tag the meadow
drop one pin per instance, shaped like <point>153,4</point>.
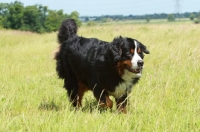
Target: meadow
<point>167,98</point>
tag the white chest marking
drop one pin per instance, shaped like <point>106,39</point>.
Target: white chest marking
<point>126,86</point>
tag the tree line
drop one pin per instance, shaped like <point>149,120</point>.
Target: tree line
<point>170,17</point>
<point>35,18</point>
<point>152,16</point>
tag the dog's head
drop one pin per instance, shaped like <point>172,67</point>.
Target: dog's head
<point>130,55</point>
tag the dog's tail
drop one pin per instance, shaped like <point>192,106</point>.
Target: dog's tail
<point>67,30</point>
<point>59,61</point>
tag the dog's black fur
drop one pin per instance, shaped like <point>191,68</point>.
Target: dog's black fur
<point>93,64</point>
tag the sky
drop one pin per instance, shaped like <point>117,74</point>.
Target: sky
<point>116,7</point>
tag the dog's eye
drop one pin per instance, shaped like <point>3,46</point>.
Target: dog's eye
<point>139,50</point>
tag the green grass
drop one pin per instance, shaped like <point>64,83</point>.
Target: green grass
<point>166,99</point>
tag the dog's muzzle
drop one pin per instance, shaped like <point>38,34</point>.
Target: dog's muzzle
<point>138,70</point>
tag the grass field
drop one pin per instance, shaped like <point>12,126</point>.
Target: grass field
<point>167,99</point>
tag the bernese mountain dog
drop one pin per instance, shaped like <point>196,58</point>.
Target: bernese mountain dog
<point>105,68</point>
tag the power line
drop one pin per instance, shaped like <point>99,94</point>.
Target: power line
<point>177,8</point>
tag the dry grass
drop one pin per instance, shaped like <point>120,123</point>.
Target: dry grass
<point>166,99</point>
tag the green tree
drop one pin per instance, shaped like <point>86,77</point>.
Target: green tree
<point>75,16</point>
<point>4,9</point>
<point>170,18</point>
<point>31,19</point>
<point>192,16</point>
<point>147,19</point>
<point>1,22</point>
<point>53,20</point>
<point>43,11</point>
<point>14,19</point>
<point>36,18</point>
<point>3,12</point>
<point>103,20</point>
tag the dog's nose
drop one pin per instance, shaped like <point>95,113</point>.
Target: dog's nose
<point>140,62</point>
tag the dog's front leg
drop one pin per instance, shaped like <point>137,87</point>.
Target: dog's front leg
<point>121,103</point>
<point>102,97</point>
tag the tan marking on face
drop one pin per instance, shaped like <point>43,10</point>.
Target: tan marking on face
<point>128,62</point>
<point>139,50</point>
<point>132,51</point>
<point>121,66</point>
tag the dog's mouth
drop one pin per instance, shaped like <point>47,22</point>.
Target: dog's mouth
<point>133,70</point>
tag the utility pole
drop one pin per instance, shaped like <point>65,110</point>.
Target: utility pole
<point>177,9</point>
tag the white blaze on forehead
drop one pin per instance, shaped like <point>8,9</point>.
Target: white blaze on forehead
<point>136,57</point>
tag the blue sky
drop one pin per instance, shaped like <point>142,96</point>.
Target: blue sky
<point>116,7</point>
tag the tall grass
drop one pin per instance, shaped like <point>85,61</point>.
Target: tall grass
<point>166,99</point>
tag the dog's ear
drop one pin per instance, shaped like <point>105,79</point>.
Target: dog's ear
<point>145,50</point>
<point>117,45</point>
<point>118,42</point>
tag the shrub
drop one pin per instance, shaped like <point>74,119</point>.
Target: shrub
<point>197,20</point>
<point>170,18</point>
<point>192,16</point>
<point>91,23</point>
